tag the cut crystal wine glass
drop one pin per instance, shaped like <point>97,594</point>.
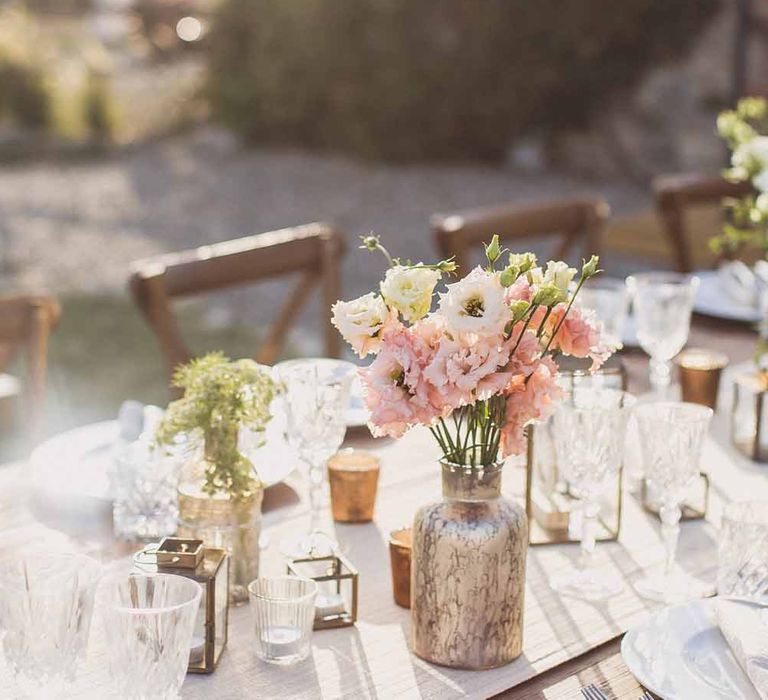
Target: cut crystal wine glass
<point>671,436</point>
<point>148,624</point>
<point>609,299</point>
<point>589,429</point>
<point>46,603</point>
<point>316,399</point>
<point>663,302</point>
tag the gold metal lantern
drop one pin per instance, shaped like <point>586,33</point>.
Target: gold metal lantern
<point>210,568</point>
<point>337,581</point>
<point>548,502</point>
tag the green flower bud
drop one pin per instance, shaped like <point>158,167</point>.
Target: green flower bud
<point>549,295</point>
<point>493,250</point>
<point>519,309</point>
<point>590,269</point>
<point>522,261</point>
<point>509,276</point>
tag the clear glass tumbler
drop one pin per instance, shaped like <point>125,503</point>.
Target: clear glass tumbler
<point>283,612</point>
<point>609,299</point>
<point>663,302</point>
<point>148,624</point>
<point>316,399</point>
<point>671,436</point>
<point>46,603</point>
<point>589,431</point>
<point>743,552</point>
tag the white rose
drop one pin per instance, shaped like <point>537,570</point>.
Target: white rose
<point>476,304</point>
<point>361,322</point>
<point>560,275</point>
<point>409,290</point>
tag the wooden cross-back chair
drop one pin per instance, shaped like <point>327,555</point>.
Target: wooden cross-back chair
<point>677,195</point>
<point>313,250</point>
<point>26,322</point>
<point>573,221</point>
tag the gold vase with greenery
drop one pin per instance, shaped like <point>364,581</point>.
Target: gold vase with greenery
<point>219,491</point>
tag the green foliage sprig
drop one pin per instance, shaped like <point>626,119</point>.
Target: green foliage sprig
<point>220,395</point>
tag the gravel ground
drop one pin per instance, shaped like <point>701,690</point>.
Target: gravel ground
<point>76,226</point>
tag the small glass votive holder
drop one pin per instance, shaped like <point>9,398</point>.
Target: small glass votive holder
<point>700,371</point>
<point>400,542</point>
<point>743,550</point>
<point>354,477</point>
<point>282,611</point>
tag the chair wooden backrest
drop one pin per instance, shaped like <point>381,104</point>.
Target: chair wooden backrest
<point>573,221</point>
<point>677,194</point>
<point>313,250</point>
<point>26,322</point>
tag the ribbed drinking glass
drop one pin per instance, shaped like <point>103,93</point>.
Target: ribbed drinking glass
<point>283,612</point>
<point>46,603</point>
<point>671,436</point>
<point>589,430</point>
<point>148,624</point>
<point>663,302</point>
<point>316,400</point>
<point>743,552</point>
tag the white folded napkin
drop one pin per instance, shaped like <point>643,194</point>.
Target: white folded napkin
<point>745,627</point>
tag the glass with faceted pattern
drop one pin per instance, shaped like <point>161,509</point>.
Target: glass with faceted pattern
<point>671,436</point>
<point>148,624</point>
<point>743,552</point>
<point>46,603</point>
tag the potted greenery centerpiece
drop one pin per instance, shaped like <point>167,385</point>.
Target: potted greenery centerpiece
<point>219,491</point>
<point>476,372</point>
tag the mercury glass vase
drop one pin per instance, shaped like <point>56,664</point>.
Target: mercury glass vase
<point>468,572</point>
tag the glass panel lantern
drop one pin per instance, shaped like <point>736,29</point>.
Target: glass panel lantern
<point>548,502</point>
<point>208,566</point>
<point>749,432</point>
<point>336,601</point>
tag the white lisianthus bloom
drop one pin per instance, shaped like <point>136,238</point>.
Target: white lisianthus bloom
<point>476,304</point>
<point>760,181</point>
<point>409,290</point>
<point>535,276</point>
<point>560,275</point>
<point>362,321</point>
<point>754,150</point>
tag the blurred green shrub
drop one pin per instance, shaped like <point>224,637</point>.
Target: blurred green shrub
<point>409,79</point>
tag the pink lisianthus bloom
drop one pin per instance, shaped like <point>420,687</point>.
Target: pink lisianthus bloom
<point>580,335</point>
<point>396,391</point>
<point>519,291</point>
<point>529,399</point>
<point>465,369</point>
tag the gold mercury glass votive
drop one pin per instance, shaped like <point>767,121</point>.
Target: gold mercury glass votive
<point>354,477</point>
<point>400,559</point>
<point>700,372</point>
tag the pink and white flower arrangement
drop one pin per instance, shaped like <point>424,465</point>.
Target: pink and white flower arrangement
<point>482,366</point>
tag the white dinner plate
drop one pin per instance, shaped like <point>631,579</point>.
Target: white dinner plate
<point>680,654</point>
<point>713,300</point>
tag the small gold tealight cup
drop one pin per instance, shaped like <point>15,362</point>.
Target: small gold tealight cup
<point>400,559</point>
<point>700,372</point>
<point>354,477</point>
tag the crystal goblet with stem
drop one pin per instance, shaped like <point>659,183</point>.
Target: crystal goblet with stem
<point>609,299</point>
<point>46,604</point>
<point>671,436</point>
<point>316,400</point>
<point>663,302</point>
<point>590,428</point>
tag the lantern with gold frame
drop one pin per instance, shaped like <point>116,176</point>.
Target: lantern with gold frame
<point>337,581</point>
<point>208,566</point>
<point>548,502</point>
<point>749,432</point>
